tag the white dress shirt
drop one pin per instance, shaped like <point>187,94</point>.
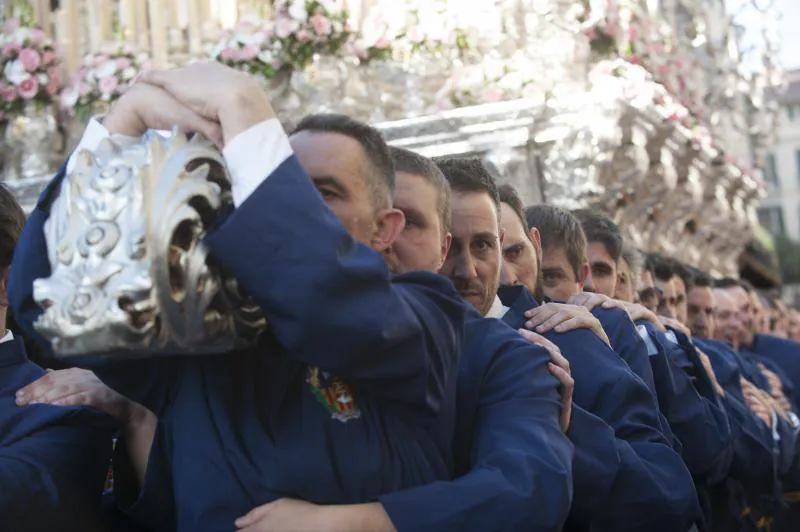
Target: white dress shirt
<point>252,155</point>
<point>498,310</point>
<point>7,337</point>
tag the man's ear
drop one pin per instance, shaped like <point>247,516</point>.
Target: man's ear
<point>536,237</point>
<point>584,273</point>
<point>389,225</point>
<point>446,243</point>
<point>4,273</point>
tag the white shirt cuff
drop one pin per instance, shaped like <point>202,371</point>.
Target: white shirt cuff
<point>253,155</point>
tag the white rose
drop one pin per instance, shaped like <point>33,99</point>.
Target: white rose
<point>266,57</point>
<point>109,68</point>
<point>70,96</point>
<point>129,73</point>
<point>42,79</point>
<point>297,10</point>
<point>15,72</point>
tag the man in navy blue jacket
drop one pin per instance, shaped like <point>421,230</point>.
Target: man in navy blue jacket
<point>53,461</point>
<point>257,423</point>
<point>749,493</point>
<point>625,471</point>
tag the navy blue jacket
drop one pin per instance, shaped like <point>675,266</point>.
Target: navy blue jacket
<point>785,354</point>
<point>692,407</point>
<point>53,460</point>
<point>627,476</point>
<point>513,463</point>
<point>240,430</point>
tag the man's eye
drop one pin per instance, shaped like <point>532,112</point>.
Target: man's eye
<point>326,193</point>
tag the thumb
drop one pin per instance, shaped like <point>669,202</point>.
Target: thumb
<point>253,516</point>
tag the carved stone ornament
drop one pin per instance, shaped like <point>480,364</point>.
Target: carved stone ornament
<point>130,274</point>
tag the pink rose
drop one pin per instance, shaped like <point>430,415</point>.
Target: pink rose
<point>123,63</point>
<point>633,33</point>
<point>54,75</point>
<point>303,36</point>
<point>382,43</point>
<point>590,33</point>
<point>228,54</point>
<point>49,57</point>
<point>11,49</point>
<point>36,36</point>
<point>8,93</point>
<point>84,89</point>
<point>635,60</point>
<point>321,25</point>
<point>248,53</point>
<point>30,59</point>
<point>284,28</point>
<point>108,84</point>
<point>28,89</point>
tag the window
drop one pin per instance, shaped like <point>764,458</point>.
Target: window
<point>771,171</point>
<point>772,219</point>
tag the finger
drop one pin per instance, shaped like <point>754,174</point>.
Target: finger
<point>577,322</point>
<point>551,322</point>
<point>540,314</point>
<point>536,339</point>
<point>253,516</point>
<point>75,399</point>
<point>563,377</point>
<point>56,392</point>
<point>163,79</point>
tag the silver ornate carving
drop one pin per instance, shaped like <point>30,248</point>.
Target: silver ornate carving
<point>129,268</point>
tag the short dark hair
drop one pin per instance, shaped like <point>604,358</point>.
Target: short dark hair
<point>413,163</point>
<point>727,282</point>
<point>661,267</point>
<point>509,195</point>
<point>12,220</point>
<point>684,272</point>
<point>381,179</point>
<point>599,228</point>
<point>468,174</point>
<point>700,279</point>
<point>559,230</point>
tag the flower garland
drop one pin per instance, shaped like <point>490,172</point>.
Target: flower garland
<point>250,47</point>
<point>304,28</point>
<point>30,69</point>
<point>103,77</point>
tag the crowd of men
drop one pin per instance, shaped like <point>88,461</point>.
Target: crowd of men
<point>438,357</point>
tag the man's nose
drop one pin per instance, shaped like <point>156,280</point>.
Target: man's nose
<point>465,267</point>
<point>507,277</point>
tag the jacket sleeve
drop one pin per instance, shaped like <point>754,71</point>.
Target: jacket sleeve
<point>699,421</point>
<point>652,488</point>
<point>330,301</point>
<point>53,478</point>
<point>754,461</point>
<point>626,342</point>
<point>520,471</point>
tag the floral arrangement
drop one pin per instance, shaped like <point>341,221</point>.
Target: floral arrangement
<point>374,43</point>
<point>303,28</point>
<point>30,69</point>
<point>250,47</point>
<point>102,77</point>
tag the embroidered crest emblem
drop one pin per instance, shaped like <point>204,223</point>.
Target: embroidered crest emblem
<point>334,395</point>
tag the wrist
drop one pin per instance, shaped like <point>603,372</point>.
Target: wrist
<point>246,106</point>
